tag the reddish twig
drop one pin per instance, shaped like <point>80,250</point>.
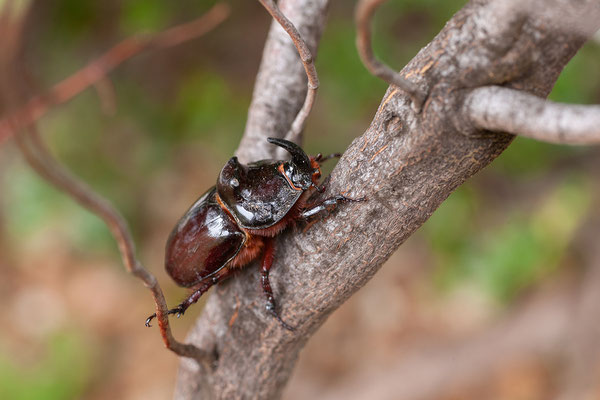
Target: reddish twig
<point>41,160</point>
<point>309,66</point>
<point>365,9</point>
<point>96,70</point>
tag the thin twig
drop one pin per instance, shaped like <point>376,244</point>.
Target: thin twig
<point>41,160</point>
<point>365,9</point>
<point>309,66</point>
<point>96,70</point>
<point>502,109</point>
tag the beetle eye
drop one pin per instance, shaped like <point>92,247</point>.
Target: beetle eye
<point>234,182</point>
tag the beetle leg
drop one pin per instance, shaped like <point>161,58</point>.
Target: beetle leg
<point>267,263</point>
<point>325,207</point>
<point>320,158</point>
<point>195,296</point>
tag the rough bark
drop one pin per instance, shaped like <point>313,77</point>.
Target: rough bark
<point>406,164</point>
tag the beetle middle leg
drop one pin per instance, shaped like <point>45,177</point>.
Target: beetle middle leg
<point>267,263</point>
<point>196,294</point>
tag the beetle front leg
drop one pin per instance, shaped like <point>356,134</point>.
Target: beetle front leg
<point>325,207</point>
<point>267,263</point>
<point>320,158</point>
<point>195,296</point>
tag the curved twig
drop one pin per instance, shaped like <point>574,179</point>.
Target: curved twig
<point>41,160</point>
<point>502,109</point>
<point>96,70</point>
<point>365,9</point>
<point>309,66</point>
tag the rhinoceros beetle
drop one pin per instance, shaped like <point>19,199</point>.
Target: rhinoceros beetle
<point>236,221</point>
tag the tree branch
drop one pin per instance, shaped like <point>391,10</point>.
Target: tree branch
<point>40,159</point>
<point>13,73</point>
<point>502,109</point>
<point>406,164</point>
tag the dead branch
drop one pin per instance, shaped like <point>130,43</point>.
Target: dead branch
<point>280,90</point>
<point>295,132</point>
<point>97,70</point>
<point>406,164</point>
<point>501,109</point>
<point>40,159</point>
<point>12,70</point>
<point>365,9</point>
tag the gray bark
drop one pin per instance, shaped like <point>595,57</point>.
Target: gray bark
<point>506,110</point>
<point>405,164</point>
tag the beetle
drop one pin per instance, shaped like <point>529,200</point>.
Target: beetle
<point>236,221</point>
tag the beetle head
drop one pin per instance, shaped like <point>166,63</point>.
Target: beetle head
<point>299,169</point>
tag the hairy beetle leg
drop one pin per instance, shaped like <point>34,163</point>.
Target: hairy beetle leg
<point>195,296</point>
<point>266,285</point>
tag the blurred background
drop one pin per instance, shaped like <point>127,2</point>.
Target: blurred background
<point>493,298</point>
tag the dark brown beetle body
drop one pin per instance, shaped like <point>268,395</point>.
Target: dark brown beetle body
<point>221,240</point>
<point>236,220</point>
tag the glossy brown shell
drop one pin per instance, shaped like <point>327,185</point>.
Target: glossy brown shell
<point>258,195</point>
<point>203,242</point>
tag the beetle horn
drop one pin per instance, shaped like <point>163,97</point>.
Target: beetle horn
<point>299,157</point>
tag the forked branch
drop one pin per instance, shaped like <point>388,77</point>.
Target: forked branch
<point>502,109</point>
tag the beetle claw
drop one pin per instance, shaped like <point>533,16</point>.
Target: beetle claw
<point>357,200</point>
<point>149,319</point>
<point>281,321</point>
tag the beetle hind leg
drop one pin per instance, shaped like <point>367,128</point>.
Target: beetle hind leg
<point>267,263</point>
<point>195,296</point>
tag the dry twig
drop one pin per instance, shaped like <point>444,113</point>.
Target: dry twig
<point>97,70</point>
<point>365,9</point>
<point>309,66</point>
<point>42,161</point>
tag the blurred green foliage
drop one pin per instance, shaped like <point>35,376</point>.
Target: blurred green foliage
<point>62,373</point>
<point>506,257</point>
